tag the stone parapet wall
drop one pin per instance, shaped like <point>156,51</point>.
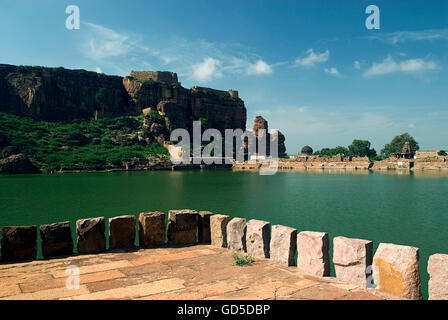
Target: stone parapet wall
<point>393,268</point>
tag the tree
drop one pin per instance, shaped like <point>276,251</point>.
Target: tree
<point>442,153</point>
<point>361,148</point>
<point>327,152</point>
<point>397,143</point>
<point>103,97</point>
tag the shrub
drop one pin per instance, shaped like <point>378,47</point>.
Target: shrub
<point>244,260</point>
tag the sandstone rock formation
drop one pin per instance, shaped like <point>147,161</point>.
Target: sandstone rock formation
<point>236,234</point>
<point>312,253</point>
<point>438,272</point>
<point>182,227</point>
<point>152,229</point>
<point>352,260</point>
<point>395,270</point>
<point>17,163</point>
<point>204,227</point>
<point>283,245</point>
<point>257,238</point>
<point>218,230</point>
<point>277,137</point>
<point>56,239</point>
<point>122,232</point>
<point>91,237</point>
<point>19,243</point>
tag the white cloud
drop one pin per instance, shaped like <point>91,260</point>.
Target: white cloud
<point>311,58</point>
<point>389,65</point>
<point>357,64</point>
<point>405,36</point>
<point>98,70</point>
<point>206,70</point>
<point>103,42</point>
<point>263,112</point>
<point>260,67</point>
<point>333,71</point>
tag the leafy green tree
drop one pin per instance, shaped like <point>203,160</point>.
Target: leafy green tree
<point>327,152</point>
<point>442,153</point>
<point>361,148</point>
<point>103,97</point>
<point>397,143</point>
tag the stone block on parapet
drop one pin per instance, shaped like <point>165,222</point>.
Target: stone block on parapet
<point>56,239</point>
<point>19,243</point>
<point>236,234</point>
<point>182,227</point>
<point>395,271</point>
<point>218,230</point>
<point>257,238</point>
<point>283,245</point>
<point>352,259</point>
<point>438,273</point>
<point>91,236</point>
<point>312,253</point>
<point>204,227</point>
<point>152,229</point>
<point>122,232</point>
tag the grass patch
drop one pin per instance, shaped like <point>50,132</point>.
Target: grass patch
<point>242,260</point>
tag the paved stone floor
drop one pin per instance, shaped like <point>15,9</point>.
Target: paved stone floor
<point>196,272</point>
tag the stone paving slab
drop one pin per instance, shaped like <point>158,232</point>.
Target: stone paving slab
<point>192,272</point>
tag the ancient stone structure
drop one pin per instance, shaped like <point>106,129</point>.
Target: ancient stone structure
<point>152,229</point>
<point>283,245</point>
<point>91,237</point>
<point>406,152</point>
<point>312,253</point>
<point>352,260</point>
<point>236,234</point>
<point>218,230</point>
<point>204,227</point>
<point>53,94</point>
<point>438,272</point>
<point>19,243</point>
<point>395,270</point>
<point>56,239</point>
<point>122,232</point>
<point>182,227</point>
<point>421,154</point>
<point>257,238</point>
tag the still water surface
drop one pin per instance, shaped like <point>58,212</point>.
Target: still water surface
<point>401,209</point>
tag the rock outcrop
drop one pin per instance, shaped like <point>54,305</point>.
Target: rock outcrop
<point>58,94</point>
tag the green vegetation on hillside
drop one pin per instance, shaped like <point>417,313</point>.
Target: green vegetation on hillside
<point>80,144</point>
<point>397,143</point>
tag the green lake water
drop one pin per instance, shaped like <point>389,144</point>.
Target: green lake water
<point>406,209</point>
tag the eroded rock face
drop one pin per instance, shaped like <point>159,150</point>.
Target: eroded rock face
<point>395,270</point>
<point>236,234</point>
<point>182,227</point>
<point>152,229</point>
<point>312,253</point>
<point>204,235</point>
<point>218,230</point>
<point>19,243</point>
<point>17,163</point>
<point>352,260</point>
<point>91,237</point>
<point>283,245</point>
<point>258,238</point>
<point>438,272</point>
<point>56,239</point>
<point>122,232</point>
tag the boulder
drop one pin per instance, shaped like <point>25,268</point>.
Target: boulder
<point>204,227</point>
<point>312,253</point>
<point>257,238</point>
<point>218,230</point>
<point>283,245</point>
<point>438,272</point>
<point>182,227</point>
<point>236,234</point>
<point>91,237</point>
<point>17,163</point>
<point>122,232</point>
<point>152,229</point>
<point>8,151</point>
<point>352,259</point>
<point>395,270</point>
<point>56,239</point>
<point>19,243</point>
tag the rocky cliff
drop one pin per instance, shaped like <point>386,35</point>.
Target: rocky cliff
<point>58,94</point>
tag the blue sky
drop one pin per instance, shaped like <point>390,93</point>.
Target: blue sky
<point>311,68</point>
